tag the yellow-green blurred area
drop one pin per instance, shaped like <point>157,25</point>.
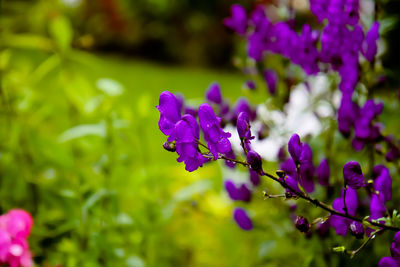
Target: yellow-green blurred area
<point>80,147</point>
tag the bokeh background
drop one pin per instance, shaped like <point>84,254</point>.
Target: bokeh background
<point>81,151</point>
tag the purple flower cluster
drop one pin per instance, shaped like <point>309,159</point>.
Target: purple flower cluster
<point>185,132</point>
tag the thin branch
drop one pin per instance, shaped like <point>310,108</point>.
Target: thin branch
<point>372,236</point>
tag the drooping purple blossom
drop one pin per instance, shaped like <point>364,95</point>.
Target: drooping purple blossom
<point>395,248</point>
<point>241,192</point>
<point>271,78</point>
<point>307,169</point>
<point>243,126</point>
<point>186,134</point>
<point>238,19</point>
<point>169,108</point>
<point>382,183</point>
<point>242,219</point>
<point>210,124</point>
<point>376,207</point>
<point>387,262</point>
<point>339,223</point>
<point>353,176</point>
<point>254,177</point>
<point>242,105</point>
<point>363,126</point>
<point>295,148</point>
<point>369,46</point>
<point>213,93</point>
<point>347,114</point>
<point>323,173</point>
<point>254,160</point>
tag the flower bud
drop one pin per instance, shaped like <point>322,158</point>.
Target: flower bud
<point>353,176</point>
<point>242,219</point>
<point>357,229</point>
<point>254,159</point>
<point>302,224</point>
<point>295,148</point>
<point>169,146</point>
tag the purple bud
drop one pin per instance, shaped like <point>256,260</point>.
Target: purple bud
<point>323,228</point>
<point>302,224</point>
<point>323,173</point>
<point>357,229</point>
<point>241,193</point>
<point>169,112</point>
<point>376,207</point>
<point>353,176</point>
<point>242,219</point>
<point>295,148</point>
<point>271,79</point>
<point>254,177</point>
<point>250,84</point>
<point>213,93</point>
<point>255,161</point>
<point>369,47</point>
<point>243,126</point>
<point>387,262</point>
<point>169,146</point>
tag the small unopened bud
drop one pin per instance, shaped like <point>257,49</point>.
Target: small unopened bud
<point>340,249</point>
<point>254,160</point>
<point>357,229</point>
<point>280,173</point>
<point>169,146</point>
<point>302,224</point>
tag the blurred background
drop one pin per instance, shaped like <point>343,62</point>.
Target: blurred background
<point>80,147</point>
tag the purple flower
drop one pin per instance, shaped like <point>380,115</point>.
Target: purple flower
<point>237,193</point>
<point>307,169</point>
<point>213,93</point>
<point>369,46</point>
<point>353,176</point>
<point>238,19</point>
<point>254,177</point>
<point>357,229</point>
<point>382,183</point>
<point>249,84</point>
<point>387,262</point>
<point>395,248</point>
<point>347,114</point>
<point>242,219</point>
<point>295,148</point>
<point>242,105</point>
<point>363,127</point>
<point>243,128</point>
<point>254,160</point>
<point>323,173</point>
<point>302,224</point>
<point>186,134</point>
<point>340,223</point>
<point>376,207</point>
<point>271,79</point>
<point>292,183</point>
<point>210,124</point>
<point>169,108</point>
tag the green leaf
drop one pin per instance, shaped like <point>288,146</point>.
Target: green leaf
<point>61,31</point>
<point>84,130</point>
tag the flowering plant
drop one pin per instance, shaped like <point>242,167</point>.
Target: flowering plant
<point>339,48</point>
